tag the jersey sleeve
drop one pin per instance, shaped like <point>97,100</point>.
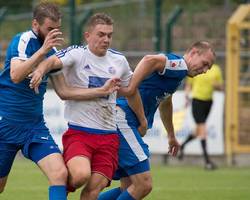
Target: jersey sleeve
<point>21,48</point>
<point>218,75</point>
<point>68,56</point>
<point>127,73</point>
<point>174,68</point>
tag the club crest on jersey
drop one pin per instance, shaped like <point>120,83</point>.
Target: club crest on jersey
<point>111,70</point>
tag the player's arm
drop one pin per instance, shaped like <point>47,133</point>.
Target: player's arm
<point>20,69</point>
<point>52,63</point>
<point>135,103</point>
<point>148,65</point>
<point>66,92</point>
<point>166,114</point>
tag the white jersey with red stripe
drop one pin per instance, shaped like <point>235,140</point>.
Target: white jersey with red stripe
<point>84,69</point>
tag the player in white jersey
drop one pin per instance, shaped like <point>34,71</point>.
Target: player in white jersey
<point>91,142</point>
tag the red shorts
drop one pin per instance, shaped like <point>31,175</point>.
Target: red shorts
<point>101,149</point>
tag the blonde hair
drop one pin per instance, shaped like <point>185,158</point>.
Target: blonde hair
<point>202,46</point>
<point>99,18</point>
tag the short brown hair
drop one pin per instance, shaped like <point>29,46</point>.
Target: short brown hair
<point>46,10</point>
<point>202,46</point>
<point>99,18</point>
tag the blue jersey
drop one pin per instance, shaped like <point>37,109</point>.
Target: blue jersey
<point>156,87</point>
<point>17,101</point>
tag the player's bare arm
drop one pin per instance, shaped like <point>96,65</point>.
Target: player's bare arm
<point>135,103</point>
<point>166,114</point>
<point>20,69</point>
<point>66,92</point>
<point>44,67</point>
<point>148,65</point>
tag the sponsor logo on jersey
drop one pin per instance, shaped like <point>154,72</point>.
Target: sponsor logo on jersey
<point>87,67</point>
<point>172,64</point>
<point>175,64</point>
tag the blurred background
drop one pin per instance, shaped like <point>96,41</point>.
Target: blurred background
<point>152,26</point>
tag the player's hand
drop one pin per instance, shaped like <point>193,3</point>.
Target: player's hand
<point>36,79</point>
<point>111,85</point>
<point>52,39</point>
<point>174,146</point>
<point>143,127</point>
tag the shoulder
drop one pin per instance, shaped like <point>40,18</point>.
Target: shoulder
<point>116,54</point>
<point>73,49</point>
<point>24,38</point>
<point>158,60</point>
<point>175,62</point>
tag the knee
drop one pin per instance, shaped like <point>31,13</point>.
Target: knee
<point>59,175</point>
<point>144,187</point>
<point>147,188</point>
<point>78,178</point>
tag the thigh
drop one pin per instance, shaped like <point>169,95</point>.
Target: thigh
<point>79,167</point>
<point>105,158</point>
<point>77,144</point>
<point>7,156</point>
<point>132,148</point>
<point>54,168</point>
<point>39,143</point>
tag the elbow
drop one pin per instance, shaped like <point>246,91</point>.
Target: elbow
<point>62,94</point>
<point>130,91</point>
<point>14,78</point>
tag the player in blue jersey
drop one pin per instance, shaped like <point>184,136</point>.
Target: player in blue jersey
<point>158,77</point>
<point>22,125</point>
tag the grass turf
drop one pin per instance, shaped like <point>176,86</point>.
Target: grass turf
<point>26,182</point>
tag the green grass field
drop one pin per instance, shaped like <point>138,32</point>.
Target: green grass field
<point>26,182</point>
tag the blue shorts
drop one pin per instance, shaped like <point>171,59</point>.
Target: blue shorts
<point>132,149</point>
<point>141,167</point>
<point>33,139</point>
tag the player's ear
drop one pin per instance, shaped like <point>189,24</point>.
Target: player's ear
<point>35,23</point>
<point>193,51</point>
<point>86,35</point>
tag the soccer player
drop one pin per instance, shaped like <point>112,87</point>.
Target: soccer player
<point>202,88</point>
<point>158,77</point>
<point>91,142</point>
<point>22,125</point>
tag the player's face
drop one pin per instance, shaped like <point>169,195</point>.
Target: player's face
<point>99,38</point>
<point>43,29</point>
<point>199,63</point>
